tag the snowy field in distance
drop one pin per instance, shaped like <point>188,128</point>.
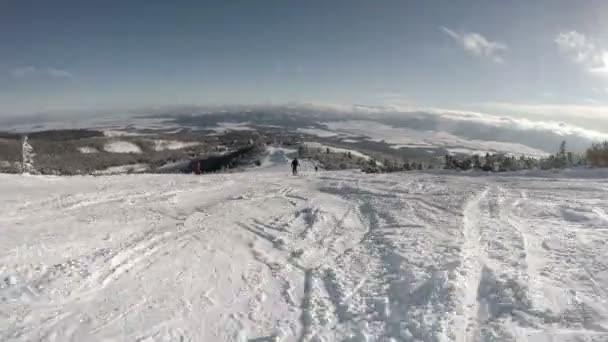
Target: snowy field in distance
<point>123,169</point>
<point>113,133</point>
<point>406,137</point>
<point>87,150</point>
<point>162,145</point>
<point>121,147</point>
<point>331,256</point>
<point>334,149</point>
<point>223,127</point>
<point>317,132</point>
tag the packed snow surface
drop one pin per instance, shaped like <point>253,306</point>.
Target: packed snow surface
<point>263,256</point>
<point>121,147</point>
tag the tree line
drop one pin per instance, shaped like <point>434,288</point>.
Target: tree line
<point>595,156</point>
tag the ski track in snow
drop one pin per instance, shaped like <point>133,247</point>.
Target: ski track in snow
<point>328,256</point>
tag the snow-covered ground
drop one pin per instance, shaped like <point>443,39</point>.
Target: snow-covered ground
<point>87,150</point>
<point>317,132</point>
<point>278,159</point>
<point>113,133</point>
<point>121,147</point>
<point>140,167</point>
<point>278,156</point>
<point>223,127</point>
<point>412,138</point>
<point>468,151</point>
<point>328,256</point>
<point>322,133</point>
<point>162,145</point>
<point>334,149</point>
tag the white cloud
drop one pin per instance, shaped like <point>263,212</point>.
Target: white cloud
<point>25,72</point>
<point>478,45</point>
<point>591,100</point>
<point>393,99</point>
<point>484,115</point>
<point>583,51</point>
<point>590,110</point>
<point>59,73</point>
<point>548,94</point>
<point>558,127</point>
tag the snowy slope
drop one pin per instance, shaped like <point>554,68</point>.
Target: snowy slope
<point>337,150</point>
<point>321,257</point>
<point>278,159</point>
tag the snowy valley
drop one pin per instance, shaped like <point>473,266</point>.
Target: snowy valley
<point>328,256</point>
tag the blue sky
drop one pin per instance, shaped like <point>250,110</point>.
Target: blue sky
<point>535,59</point>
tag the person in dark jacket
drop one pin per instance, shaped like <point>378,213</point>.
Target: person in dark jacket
<point>294,166</point>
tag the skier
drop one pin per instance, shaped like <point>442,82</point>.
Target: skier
<point>197,167</point>
<point>316,168</point>
<point>294,166</point>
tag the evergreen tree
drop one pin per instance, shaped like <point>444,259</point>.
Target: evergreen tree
<point>488,163</point>
<point>302,151</point>
<point>561,159</point>
<point>476,162</point>
<point>27,156</point>
<point>449,162</point>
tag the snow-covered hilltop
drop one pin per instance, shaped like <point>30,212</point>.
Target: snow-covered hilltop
<point>344,256</point>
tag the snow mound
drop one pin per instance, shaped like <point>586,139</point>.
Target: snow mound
<point>162,145</point>
<point>87,150</point>
<point>121,147</point>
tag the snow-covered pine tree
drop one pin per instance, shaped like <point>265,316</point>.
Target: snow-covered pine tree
<point>27,157</point>
<point>561,159</point>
